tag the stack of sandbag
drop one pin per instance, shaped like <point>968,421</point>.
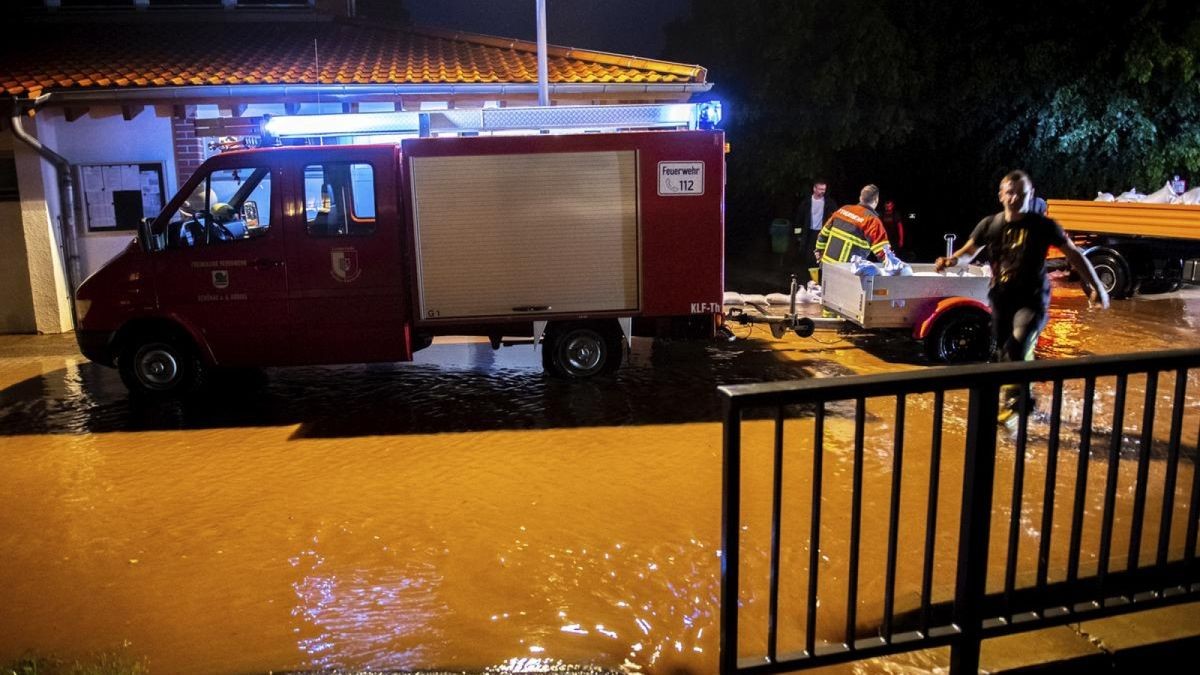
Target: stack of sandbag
<point>1164,195</point>
<point>892,266</point>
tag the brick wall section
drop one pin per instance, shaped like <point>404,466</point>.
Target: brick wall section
<point>189,150</point>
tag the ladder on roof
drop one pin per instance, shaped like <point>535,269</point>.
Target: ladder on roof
<point>477,121</point>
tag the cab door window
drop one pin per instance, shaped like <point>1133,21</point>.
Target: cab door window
<point>339,199</point>
<point>229,205</point>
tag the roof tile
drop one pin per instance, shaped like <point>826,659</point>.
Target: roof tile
<point>78,57</point>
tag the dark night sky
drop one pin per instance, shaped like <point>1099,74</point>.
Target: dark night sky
<point>632,27</point>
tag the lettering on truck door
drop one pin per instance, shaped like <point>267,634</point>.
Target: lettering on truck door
<point>222,271</point>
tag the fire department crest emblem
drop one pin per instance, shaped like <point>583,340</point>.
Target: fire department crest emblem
<point>345,264</point>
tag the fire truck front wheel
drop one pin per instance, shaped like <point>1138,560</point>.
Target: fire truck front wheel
<point>581,350</point>
<point>160,365</point>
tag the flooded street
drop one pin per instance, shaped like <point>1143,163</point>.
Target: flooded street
<point>458,512</point>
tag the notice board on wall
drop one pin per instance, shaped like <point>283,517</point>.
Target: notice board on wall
<point>117,196</point>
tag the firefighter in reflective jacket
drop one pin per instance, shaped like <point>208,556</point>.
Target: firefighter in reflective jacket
<point>854,231</point>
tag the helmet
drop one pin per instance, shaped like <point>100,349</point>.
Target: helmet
<point>223,212</point>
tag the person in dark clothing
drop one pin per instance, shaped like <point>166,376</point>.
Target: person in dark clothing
<point>853,231</point>
<point>1018,240</point>
<point>812,213</point>
<point>894,225</point>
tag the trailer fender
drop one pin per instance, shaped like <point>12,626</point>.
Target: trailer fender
<point>922,326</point>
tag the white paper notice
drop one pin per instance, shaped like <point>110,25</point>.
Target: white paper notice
<point>112,178</point>
<point>95,197</point>
<point>129,177</point>
<point>102,216</point>
<point>93,178</point>
<point>151,205</point>
<point>150,182</point>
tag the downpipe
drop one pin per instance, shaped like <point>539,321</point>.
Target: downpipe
<point>66,216</point>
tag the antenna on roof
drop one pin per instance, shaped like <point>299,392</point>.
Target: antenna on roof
<point>542,68</point>
<point>317,67</point>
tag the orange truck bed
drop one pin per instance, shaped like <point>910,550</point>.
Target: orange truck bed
<point>1163,221</point>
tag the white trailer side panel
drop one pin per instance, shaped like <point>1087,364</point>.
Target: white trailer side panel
<point>531,234</point>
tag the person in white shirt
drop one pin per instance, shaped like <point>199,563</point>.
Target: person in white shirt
<point>814,210</point>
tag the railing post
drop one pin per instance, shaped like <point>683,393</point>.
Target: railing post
<point>979,470</point>
<point>731,500</point>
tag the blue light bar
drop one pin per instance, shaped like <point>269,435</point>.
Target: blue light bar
<point>343,124</point>
<point>488,120</point>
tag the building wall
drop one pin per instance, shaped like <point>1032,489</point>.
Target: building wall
<point>42,255</point>
<point>16,298</point>
<point>103,136</point>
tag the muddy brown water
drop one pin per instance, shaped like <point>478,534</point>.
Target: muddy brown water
<point>465,511</point>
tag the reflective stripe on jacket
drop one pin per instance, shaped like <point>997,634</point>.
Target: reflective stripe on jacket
<point>850,231</point>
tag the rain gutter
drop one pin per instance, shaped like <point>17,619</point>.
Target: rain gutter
<point>66,217</point>
<point>347,92</point>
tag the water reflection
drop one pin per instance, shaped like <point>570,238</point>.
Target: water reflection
<point>381,619</point>
<point>663,383</point>
<point>323,518</point>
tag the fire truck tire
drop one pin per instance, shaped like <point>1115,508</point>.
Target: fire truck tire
<point>961,335</point>
<point>578,351</point>
<point>160,365</point>
<point>1113,272</point>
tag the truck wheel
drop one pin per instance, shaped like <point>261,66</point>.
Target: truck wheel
<point>1112,272</point>
<point>961,335</point>
<point>160,366</point>
<point>578,351</point>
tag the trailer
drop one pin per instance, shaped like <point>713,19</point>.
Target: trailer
<point>1135,247</point>
<point>573,242</point>
<point>946,311</point>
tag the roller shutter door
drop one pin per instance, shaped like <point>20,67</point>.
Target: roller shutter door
<point>541,233</point>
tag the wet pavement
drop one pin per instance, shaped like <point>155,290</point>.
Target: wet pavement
<point>461,511</point>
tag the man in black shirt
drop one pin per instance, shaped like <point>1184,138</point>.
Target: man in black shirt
<point>1018,240</point>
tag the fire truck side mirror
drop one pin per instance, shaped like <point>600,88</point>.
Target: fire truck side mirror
<point>146,237</point>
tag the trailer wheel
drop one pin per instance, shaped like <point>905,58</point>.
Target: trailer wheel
<point>160,365</point>
<point>581,350</point>
<point>1114,276</point>
<point>961,335</point>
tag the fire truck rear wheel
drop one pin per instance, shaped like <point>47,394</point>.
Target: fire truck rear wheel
<point>961,335</point>
<point>160,365</point>
<point>580,351</point>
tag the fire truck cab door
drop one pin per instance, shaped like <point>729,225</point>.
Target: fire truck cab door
<point>222,272</point>
<point>347,295</point>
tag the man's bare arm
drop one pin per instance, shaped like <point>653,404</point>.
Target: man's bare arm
<point>962,256</point>
<point>1091,281</point>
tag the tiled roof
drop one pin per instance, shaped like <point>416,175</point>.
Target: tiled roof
<point>109,56</point>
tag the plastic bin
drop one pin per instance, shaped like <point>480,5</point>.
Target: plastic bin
<point>781,230</point>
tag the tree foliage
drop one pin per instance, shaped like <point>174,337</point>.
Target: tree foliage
<point>934,101</point>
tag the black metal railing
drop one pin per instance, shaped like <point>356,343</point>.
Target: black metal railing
<point>966,611</point>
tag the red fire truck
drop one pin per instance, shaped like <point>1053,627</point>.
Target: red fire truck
<point>363,253</point>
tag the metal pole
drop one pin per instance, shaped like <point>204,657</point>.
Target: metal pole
<point>979,470</point>
<point>542,68</point>
<point>731,504</point>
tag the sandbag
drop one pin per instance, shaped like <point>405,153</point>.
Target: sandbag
<point>1164,195</point>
